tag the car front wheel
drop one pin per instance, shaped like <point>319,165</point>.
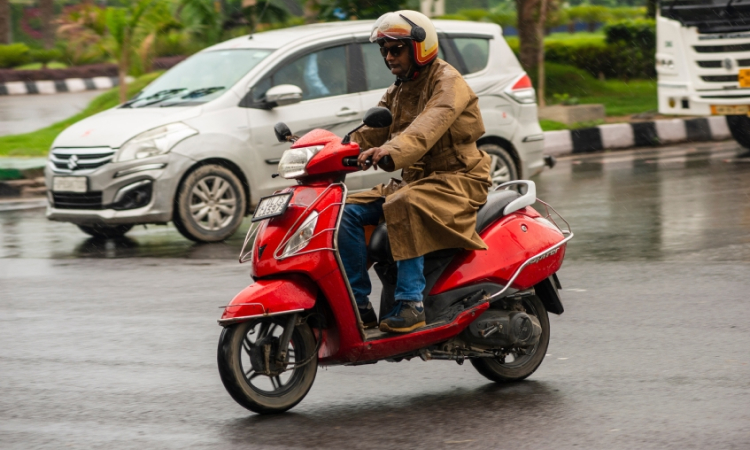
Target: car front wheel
<point>210,204</point>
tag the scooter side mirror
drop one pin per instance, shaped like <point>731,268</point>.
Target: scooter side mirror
<point>283,133</point>
<point>378,117</point>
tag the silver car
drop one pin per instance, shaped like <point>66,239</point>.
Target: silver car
<point>197,147</point>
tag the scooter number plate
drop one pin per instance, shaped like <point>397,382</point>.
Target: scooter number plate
<point>272,206</point>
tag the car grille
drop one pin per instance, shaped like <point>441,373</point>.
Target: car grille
<point>73,159</point>
<point>88,200</point>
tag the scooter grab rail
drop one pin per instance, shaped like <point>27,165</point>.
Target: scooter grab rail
<point>536,258</point>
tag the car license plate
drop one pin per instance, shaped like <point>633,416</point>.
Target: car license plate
<point>744,78</point>
<point>272,206</point>
<point>730,110</point>
<point>70,184</point>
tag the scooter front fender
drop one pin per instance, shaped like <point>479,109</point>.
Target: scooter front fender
<point>271,297</point>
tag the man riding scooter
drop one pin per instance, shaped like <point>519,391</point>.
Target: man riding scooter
<point>445,178</point>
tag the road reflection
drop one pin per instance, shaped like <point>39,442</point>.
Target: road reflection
<point>419,421</point>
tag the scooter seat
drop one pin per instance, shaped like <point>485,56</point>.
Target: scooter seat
<point>493,209</point>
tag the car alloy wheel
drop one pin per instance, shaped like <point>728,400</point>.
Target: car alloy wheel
<point>502,166</point>
<point>210,204</point>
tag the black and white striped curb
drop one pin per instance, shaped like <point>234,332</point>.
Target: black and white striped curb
<point>639,134</point>
<point>58,86</point>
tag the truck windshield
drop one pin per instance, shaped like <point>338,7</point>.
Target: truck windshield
<point>199,79</point>
<point>709,16</point>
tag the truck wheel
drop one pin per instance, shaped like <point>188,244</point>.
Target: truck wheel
<point>210,204</point>
<point>740,128</point>
<point>502,166</point>
<point>105,231</point>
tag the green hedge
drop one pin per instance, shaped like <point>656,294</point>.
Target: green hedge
<point>13,55</point>
<point>625,51</point>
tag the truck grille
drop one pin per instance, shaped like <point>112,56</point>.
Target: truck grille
<point>722,48</point>
<point>719,78</point>
<point>720,64</point>
<point>88,200</point>
<point>73,159</point>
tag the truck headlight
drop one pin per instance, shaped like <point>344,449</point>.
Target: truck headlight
<point>155,142</point>
<point>294,161</point>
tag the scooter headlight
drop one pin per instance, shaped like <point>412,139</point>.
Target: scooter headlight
<point>294,161</point>
<point>302,236</point>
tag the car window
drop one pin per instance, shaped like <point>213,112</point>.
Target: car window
<point>377,74</point>
<point>475,53</point>
<point>319,74</point>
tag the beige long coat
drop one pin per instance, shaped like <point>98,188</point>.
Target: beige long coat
<point>436,123</point>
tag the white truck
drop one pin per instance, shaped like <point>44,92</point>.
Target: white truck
<point>703,60</point>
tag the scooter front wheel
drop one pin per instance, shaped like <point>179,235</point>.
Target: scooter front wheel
<point>246,357</point>
<point>518,364</point>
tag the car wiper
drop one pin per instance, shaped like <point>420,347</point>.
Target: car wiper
<point>166,93</point>
<point>202,92</point>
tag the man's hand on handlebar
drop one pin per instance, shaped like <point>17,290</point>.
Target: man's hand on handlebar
<point>371,157</point>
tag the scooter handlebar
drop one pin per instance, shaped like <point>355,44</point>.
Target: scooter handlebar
<point>386,163</point>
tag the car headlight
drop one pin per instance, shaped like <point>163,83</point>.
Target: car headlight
<point>302,236</point>
<point>294,161</point>
<point>155,142</point>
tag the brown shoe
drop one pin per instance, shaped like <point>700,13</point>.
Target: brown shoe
<point>405,317</point>
<point>368,316</point>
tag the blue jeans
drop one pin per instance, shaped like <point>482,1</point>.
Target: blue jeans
<point>353,249</point>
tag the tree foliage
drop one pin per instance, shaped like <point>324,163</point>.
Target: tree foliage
<point>358,9</point>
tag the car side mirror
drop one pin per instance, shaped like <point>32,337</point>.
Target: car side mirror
<point>378,117</point>
<point>283,94</point>
<point>283,133</point>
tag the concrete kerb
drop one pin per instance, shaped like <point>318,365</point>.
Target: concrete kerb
<point>640,134</point>
<point>59,86</point>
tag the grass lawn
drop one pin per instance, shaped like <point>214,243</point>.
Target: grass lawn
<point>624,98</point>
<point>37,143</point>
<point>37,66</point>
<point>619,97</point>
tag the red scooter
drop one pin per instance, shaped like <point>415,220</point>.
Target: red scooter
<point>486,306</point>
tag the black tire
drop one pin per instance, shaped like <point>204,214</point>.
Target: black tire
<point>244,385</point>
<point>496,371</point>
<point>739,126</point>
<point>503,166</point>
<point>105,231</point>
<point>222,210</point>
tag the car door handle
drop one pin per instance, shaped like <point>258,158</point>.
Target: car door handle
<point>346,112</point>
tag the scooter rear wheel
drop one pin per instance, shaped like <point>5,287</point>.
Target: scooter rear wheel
<point>516,366</point>
<point>256,391</point>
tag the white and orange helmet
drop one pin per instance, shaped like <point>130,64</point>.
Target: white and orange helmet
<point>409,25</point>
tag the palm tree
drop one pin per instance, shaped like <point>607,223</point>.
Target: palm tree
<point>5,37</point>
<point>47,8</point>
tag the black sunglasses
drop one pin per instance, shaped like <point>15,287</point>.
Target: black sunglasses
<point>395,50</point>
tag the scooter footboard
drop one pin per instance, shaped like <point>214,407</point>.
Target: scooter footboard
<point>270,297</point>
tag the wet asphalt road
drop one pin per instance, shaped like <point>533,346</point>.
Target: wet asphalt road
<point>112,345</point>
<point>25,113</point>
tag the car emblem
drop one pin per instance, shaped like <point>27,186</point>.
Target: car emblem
<point>728,64</point>
<point>73,162</point>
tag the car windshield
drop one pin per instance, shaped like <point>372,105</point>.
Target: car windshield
<point>200,78</point>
